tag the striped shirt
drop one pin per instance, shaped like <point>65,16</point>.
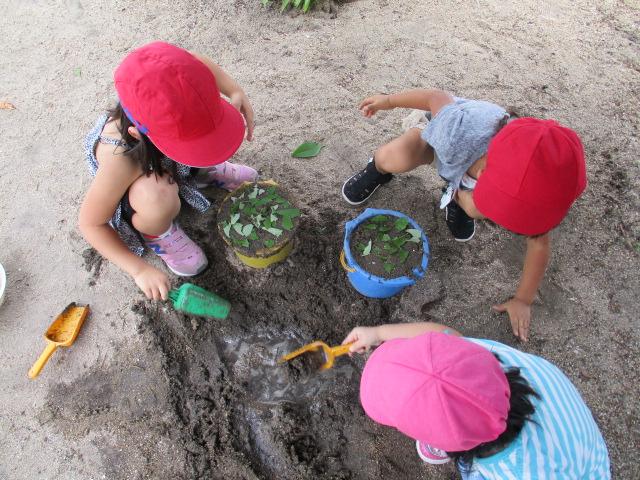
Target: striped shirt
<point>563,441</point>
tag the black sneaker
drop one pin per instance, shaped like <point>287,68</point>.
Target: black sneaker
<point>361,186</point>
<point>461,225</point>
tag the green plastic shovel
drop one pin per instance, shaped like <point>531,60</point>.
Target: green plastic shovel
<point>194,300</point>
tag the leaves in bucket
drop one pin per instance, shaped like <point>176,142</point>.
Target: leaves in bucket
<point>388,240</point>
<point>367,249</point>
<point>307,150</point>
<point>255,209</point>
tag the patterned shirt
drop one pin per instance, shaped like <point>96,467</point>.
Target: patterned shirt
<point>562,442</point>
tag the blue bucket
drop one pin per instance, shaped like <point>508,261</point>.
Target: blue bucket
<point>371,285</point>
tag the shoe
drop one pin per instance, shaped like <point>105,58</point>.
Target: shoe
<point>461,225</point>
<point>430,454</point>
<point>179,252</point>
<point>227,175</point>
<point>361,186</point>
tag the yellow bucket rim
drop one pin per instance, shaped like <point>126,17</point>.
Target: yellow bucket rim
<point>264,262</point>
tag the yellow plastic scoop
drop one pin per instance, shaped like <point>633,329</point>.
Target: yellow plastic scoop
<point>61,333</point>
<point>330,353</point>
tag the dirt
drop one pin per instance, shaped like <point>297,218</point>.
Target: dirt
<point>305,365</point>
<point>377,259</point>
<point>158,394</point>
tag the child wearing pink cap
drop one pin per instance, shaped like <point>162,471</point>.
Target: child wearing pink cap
<point>523,174</point>
<point>499,413</point>
<point>170,134</point>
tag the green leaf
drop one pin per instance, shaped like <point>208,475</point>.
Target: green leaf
<point>285,4</point>
<point>399,241</point>
<point>288,212</point>
<point>254,193</point>
<point>416,236</point>
<point>389,267</point>
<point>241,205</point>
<point>227,229</point>
<point>360,246</point>
<point>385,237</point>
<point>238,228</point>
<point>400,224</point>
<point>234,218</point>
<point>379,218</point>
<point>269,243</point>
<point>287,223</point>
<point>268,223</point>
<point>306,149</point>
<point>247,229</point>
<point>274,231</point>
<point>244,242</point>
<point>367,249</point>
<point>253,235</point>
<point>377,251</point>
<point>307,4</point>
<point>403,255</point>
<point>384,228</point>
<point>370,226</point>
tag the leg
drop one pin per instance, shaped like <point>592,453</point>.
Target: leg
<point>155,202</point>
<point>404,153</point>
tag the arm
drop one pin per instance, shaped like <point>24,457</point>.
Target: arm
<point>430,100</point>
<point>535,264</point>
<point>112,180</point>
<point>364,338</point>
<point>228,87</point>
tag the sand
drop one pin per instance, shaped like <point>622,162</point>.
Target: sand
<point>148,393</point>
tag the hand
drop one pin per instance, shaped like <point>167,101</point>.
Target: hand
<point>519,314</point>
<point>240,100</point>
<point>369,106</point>
<point>153,282</point>
<point>363,339</point>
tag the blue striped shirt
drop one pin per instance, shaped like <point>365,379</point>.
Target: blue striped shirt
<point>563,441</point>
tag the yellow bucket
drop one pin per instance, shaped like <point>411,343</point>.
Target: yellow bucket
<point>264,257</point>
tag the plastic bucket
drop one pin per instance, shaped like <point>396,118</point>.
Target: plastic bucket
<point>264,257</point>
<point>371,285</point>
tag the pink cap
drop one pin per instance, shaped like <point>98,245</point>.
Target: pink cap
<point>440,389</point>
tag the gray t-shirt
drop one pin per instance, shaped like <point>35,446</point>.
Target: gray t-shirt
<point>460,134</point>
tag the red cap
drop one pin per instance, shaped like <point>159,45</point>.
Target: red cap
<point>173,98</point>
<point>535,171</point>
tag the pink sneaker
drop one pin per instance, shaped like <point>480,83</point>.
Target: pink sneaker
<point>227,175</point>
<point>179,252</point>
<point>430,454</point>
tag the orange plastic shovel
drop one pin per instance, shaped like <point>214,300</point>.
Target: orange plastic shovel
<point>330,353</point>
<point>61,333</point>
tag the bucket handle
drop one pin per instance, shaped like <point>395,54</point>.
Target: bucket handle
<point>344,263</point>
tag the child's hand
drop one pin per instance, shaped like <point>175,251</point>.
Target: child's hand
<point>363,339</point>
<point>369,106</point>
<point>153,282</point>
<point>519,314</point>
<point>240,100</point>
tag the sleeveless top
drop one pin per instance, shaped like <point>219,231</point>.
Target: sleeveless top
<point>119,222</point>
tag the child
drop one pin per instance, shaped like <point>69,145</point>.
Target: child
<point>524,175</point>
<point>170,134</point>
<point>497,412</point>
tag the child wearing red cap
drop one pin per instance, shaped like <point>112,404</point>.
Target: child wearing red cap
<point>523,174</point>
<point>499,413</point>
<point>170,134</point>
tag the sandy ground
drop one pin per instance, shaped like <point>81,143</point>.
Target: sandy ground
<point>145,393</point>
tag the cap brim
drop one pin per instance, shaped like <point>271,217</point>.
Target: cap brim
<point>211,149</point>
<point>514,214</point>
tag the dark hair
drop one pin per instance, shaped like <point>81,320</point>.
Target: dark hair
<point>520,411</point>
<point>142,152</point>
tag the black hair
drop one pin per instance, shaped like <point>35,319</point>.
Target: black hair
<point>520,410</point>
<point>142,152</point>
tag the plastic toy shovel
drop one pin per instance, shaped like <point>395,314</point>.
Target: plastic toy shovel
<point>190,298</point>
<point>330,353</point>
<point>61,333</point>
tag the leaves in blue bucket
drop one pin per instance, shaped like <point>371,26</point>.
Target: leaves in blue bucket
<point>389,267</point>
<point>379,219</point>
<point>400,224</point>
<point>416,236</point>
<point>403,255</point>
<point>367,249</point>
<point>370,226</point>
<point>307,150</point>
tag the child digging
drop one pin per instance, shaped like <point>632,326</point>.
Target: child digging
<point>170,134</point>
<point>523,175</point>
<point>497,412</point>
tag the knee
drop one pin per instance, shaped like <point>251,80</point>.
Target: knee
<point>154,191</point>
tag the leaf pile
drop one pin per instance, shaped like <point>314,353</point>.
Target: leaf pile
<point>390,239</point>
<point>303,5</point>
<point>258,217</point>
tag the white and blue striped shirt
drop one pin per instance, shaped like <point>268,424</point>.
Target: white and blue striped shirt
<point>563,441</point>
